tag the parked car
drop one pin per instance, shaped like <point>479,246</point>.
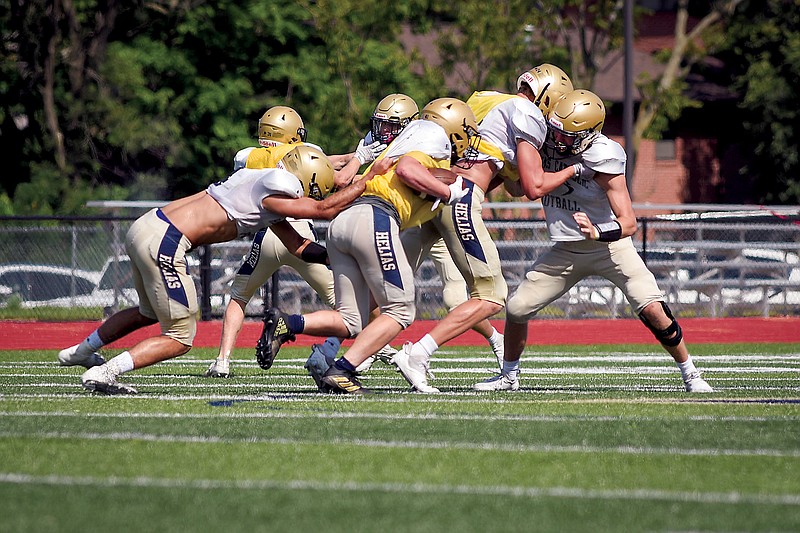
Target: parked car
<point>46,285</point>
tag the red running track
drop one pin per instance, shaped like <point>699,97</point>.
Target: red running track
<point>23,335</point>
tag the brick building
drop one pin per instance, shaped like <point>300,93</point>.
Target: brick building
<point>697,160</point>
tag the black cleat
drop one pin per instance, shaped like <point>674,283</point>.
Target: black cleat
<point>275,332</point>
<point>343,382</point>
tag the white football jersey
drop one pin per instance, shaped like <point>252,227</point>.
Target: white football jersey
<point>240,196</point>
<point>582,193</point>
<point>420,136</point>
<point>510,121</point>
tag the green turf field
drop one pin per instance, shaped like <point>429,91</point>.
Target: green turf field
<point>598,439</point>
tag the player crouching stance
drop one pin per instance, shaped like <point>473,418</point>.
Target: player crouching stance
<point>590,219</point>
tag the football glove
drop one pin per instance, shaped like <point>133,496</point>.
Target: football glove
<point>367,153</point>
<point>457,192</point>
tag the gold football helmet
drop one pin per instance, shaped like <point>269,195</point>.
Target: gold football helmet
<point>459,122</point>
<point>547,84</point>
<point>280,124</point>
<point>391,115</point>
<point>574,121</point>
<point>312,168</point>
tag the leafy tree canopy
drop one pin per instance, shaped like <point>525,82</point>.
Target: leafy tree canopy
<point>132,100</point>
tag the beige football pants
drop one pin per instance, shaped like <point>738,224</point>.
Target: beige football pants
<point>166,290</point>
<point>268,254</point>
<point>566,263</point>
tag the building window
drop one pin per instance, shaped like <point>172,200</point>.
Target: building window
<point>665,150</point>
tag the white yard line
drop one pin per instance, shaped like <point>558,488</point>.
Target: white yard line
<point>421,445</point>
<point>390,416</point>
<point>732,498</point>
<point>399,394</point>
<point>301,386</point>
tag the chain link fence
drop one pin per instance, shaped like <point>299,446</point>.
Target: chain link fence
<point>709,264</point>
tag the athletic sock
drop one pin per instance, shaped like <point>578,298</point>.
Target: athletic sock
<point>330,347</point>
<point>90,344</point>
<point>296,323</point>
<point>495,338</point>
<point>94,342</point>
<point>121,363</point>
<point>687,367</point>
<point>424,347</point>
<point>344,364</point>
<point>511,369</point>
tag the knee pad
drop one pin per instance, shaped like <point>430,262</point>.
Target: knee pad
<point>670,336</point>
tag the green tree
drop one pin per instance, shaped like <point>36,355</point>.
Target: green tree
<point>664,97</point>
<point>490,52</point>
<point>142,101</point>
<point>762,54</point>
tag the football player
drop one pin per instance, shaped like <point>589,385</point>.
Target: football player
<point>366,253</point>
<point>391,115</point>
<point>590,220</point>
<point>280,129</point>
<point>512,129</point>
<point>157,242</point>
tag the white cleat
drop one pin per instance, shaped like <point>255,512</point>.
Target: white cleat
<point>695,383</point>
<point>220,368</point>
<point>414,369</point>
<point>499,352</point>
<point>366,364</point>
<point>72,357</point>
<point>385,354</point>
<point>496,383</point>
<point>101,379</point>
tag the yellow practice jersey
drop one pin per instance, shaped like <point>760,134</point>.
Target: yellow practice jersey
<point>268,157</point>
<point>412,208</point>
<point>481,102</point>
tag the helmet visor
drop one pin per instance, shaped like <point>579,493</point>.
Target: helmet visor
<point>384,130</point>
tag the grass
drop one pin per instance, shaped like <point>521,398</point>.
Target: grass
<point>598,439</point>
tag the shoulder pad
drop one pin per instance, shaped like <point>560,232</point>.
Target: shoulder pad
<point>529,122</point>
<point>606,156</point>
<point>280,181</point>
<point>240,159</point>
<point>423,136</point>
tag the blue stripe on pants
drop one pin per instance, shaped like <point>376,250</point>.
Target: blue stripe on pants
<point>462,222</point>
<point>166,262</point>
<point>384,247</point>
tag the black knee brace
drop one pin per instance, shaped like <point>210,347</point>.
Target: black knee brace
<point>672,335</point>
